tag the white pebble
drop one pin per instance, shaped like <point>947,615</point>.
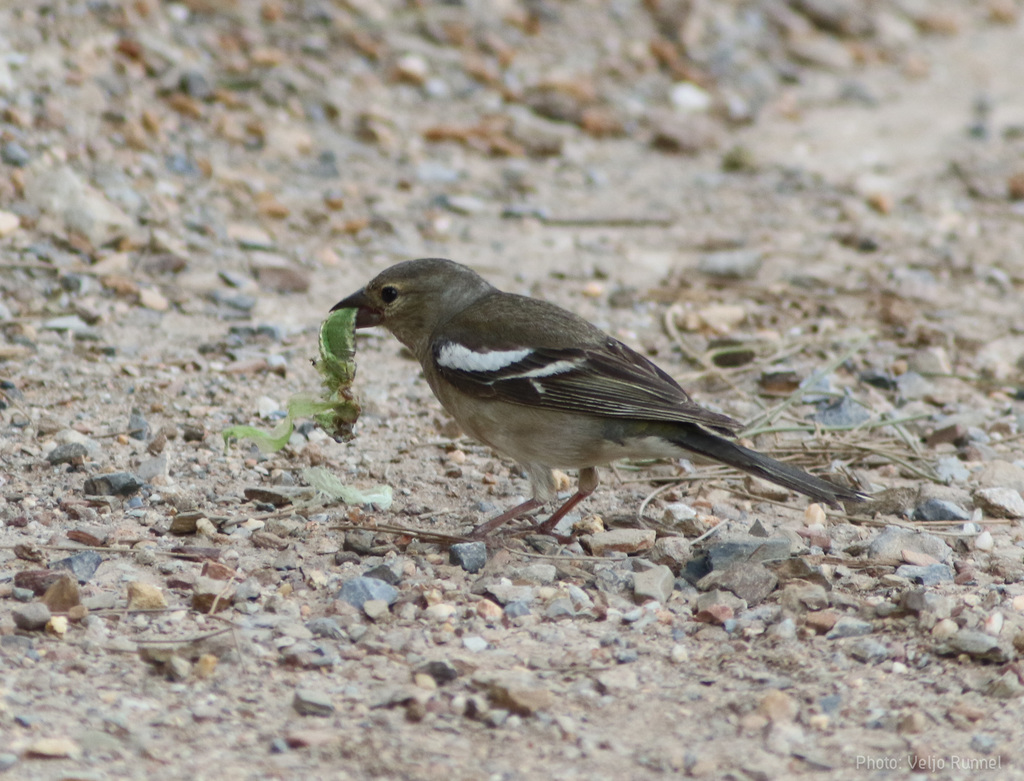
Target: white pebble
<point>984,541</point>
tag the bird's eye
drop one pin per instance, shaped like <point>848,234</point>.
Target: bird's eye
<point>388,294</point>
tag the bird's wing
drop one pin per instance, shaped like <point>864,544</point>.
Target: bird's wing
<point>606,379</point>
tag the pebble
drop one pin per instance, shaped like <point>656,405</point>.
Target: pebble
<point>867,650</point>
<point>440,612</point>
<point>14,154</point>
<point>976,644</point>
<point>1000,502</point>
<point>474,644</point>
<point>927,576</point>
<point>842,413</point>
<point>62,595</point>
<point>68,453</point>
<point>82,565</point>
<point>358,591</point>
<point>945,629</point>
<point>731,264</point>
<point>984,541</point>
<point>890,543</point>
<point>312,702</point>
<point>722,555</point>
<point>750,582</point>
<point>31,617</point>
<point>375,609</point>
<point>471,556</point>
<point>848,626</point>
<point>9,223</point>
<point>1001,474</point>
<point>113,484</point>
<point>656,583</point>
<point>951,469</point>
<point>620,541</point>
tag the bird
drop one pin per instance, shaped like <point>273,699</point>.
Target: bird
<point>550,390</point>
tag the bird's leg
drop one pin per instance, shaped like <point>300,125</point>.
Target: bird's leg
<point>587,483</point>
<point>520,509</point>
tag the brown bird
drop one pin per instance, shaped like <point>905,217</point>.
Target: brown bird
<point>548,389</point>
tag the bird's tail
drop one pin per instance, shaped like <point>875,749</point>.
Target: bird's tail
<point>704,443</point>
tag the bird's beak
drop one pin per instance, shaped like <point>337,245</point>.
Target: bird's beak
<point>366,315</point>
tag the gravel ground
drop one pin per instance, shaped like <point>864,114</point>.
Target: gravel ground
<point>811,213</point>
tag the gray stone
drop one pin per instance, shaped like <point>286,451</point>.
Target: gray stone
<point>360,590</point>
<point>848,626</point>
<point>1001,474</point>
<point>731,264</point>
<point>920,601</point>
<point>893,540</point>
<point>940,510</point>
<point>673,552</point>
<point>656,583</point>
<point>72,323</point>
<point>976,644</point>
<point>1000,502</point>
<point>559,608</point>
<point>471,556</point>
<point>951,469</point>
<point>842,413</point>
<point>113,484</point>
<point>750,582</point>
<point>931,575</point>
<point>138,428</point>
<point>15,154</point>
<point>312,702</point>
<point>912,385</point>
<point>517,608</point>
<point>82,565</point>
<point>442,671</point>
<point>31,617</point>
<point>325,627</point>
<point>866,650</point>
<point>613,580</point>
<point>67,453</point>
<point>724,554</point>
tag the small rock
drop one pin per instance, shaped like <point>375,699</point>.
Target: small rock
<point>474,644</point>
<point>9,223</point>
<point>750,582</point>
<point>31,617</point>
<point>53,748</point>
<point>926,576</point>
<point>843,413</point>
<point>1000,502</point>
<point>1001,474</point>
<point>358,591</point>
<point>798,597</point>
<point>620,541</point>
<point>618,680</point>
<point>673,552</point>
<point>656,583</point>
<point>68,453</point>
<point>724,554</point>
<point>312,702</point>
<point>778,706</point>
<point>848,626</point>
<point>440,612</point>
<point>984,541</point>
<point>441,671</point>
<point>114,484</point>
<point>82,565</point>
<point>893,540</point>
<point>951,469</point>
<point>731,264</point>
<point>323,627</point>
<point>976,644</point>
<point>821,621</point>
<point>145,596</point>
<point>62,595</point>
<point>471,556</point>
<point>940,510</point>
<point>375,609</point>
<point>14,154</point>
<point>211,596</point>
<point>867,650</point>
